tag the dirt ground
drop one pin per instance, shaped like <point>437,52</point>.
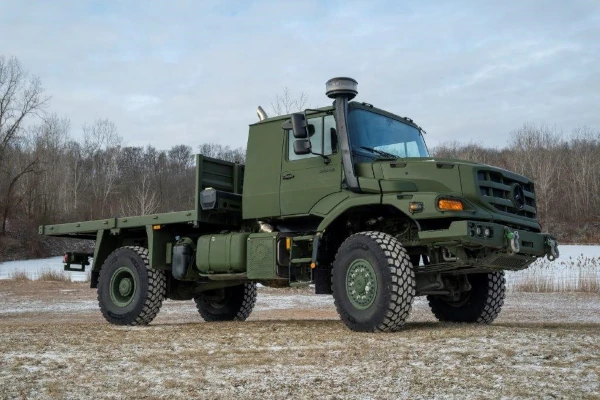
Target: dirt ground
<point>55,344</point>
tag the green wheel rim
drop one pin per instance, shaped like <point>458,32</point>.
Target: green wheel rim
<point>361,284</point>
<point>122,287</point>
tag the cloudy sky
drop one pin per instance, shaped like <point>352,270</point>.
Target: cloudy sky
<point>172,72</point>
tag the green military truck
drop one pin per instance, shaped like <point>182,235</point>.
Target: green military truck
<point>345,197</point>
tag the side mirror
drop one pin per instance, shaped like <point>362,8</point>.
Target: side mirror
<point>302,146</point>
<point>299,125</point>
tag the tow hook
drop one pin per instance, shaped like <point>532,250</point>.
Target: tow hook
<point>554,253</point>
<point>513,240</point>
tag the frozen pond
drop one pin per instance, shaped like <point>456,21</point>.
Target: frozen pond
<point>34,268</point>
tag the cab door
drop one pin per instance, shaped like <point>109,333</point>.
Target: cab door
<point>306,179</point>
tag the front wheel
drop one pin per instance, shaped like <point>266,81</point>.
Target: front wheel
<point>373,282</point>
<point>129,291</point>
<point>481,304</point>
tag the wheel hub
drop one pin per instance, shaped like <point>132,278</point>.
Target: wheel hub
<point>125,286</point>
<point>361,284</point>
<point>122,287</point>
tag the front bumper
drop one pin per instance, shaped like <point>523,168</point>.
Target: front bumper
<point>505,240</point>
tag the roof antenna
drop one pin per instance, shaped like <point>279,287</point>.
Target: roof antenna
<point>262,115</point>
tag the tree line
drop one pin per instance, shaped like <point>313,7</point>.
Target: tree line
<point>46,175</point>
<point>49,176</point>
<point>58,178</point>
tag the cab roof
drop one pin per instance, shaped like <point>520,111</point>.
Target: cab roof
<point>351,105</point>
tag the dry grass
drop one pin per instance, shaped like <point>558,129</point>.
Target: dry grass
<point>54,276</point>
<point>586,282</point>
<point>19,276</point>
<point>589,281</point>
<point>545,277</point>
<point>50,275</point>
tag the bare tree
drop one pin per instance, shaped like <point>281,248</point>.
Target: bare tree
<point>221,152</point>
<point>21,96</point>
<point>102,145</point>
<point>286,103</point>
<point>535,155</point>
<point>102,134</point>
<point>27,168</point>
<point>48,140</point>
<point>144,200</point>
<point>181,171</point>
<point>584,181</point>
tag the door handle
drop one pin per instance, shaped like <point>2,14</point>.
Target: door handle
<point>287,175</point>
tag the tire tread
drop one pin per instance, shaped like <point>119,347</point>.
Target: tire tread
<point>243,312</point>
<point>490,309</point>
<point>402,283</point>
<point>157,289</point>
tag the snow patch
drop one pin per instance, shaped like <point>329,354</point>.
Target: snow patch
<point>35,268</point>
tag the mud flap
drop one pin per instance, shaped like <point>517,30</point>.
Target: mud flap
<point>322,279</point>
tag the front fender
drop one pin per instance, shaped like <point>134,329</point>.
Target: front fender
<point>351,201</point>
<point>324,206</point>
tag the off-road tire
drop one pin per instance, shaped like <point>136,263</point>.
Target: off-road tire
<point>394,277</point>
<point>150,287</point>
<point>237,304</point>
<point>481,304</point>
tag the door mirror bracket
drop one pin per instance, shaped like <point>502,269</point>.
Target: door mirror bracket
<point>326,159</point>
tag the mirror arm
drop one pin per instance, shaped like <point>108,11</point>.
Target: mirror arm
<point>311,111</point>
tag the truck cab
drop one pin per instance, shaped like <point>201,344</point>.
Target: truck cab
<point>306,178</point>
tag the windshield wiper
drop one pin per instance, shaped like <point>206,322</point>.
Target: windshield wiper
<point>381,153</point>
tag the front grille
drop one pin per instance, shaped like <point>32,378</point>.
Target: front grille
<point>499,190</point>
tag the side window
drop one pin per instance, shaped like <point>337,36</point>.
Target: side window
<point>320,141</point>
<point>330,135</point>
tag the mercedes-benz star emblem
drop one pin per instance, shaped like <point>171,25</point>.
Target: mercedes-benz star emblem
<point>518,196</point>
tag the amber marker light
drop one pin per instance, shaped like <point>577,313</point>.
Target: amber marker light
<point>450,205</point>
<point>156,227</point>
<point>415,206</point>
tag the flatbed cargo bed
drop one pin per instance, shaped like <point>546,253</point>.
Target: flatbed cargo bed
<point>210,173</point>
<point>89,229</point>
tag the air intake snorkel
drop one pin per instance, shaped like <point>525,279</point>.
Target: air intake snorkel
<point>342,90</point>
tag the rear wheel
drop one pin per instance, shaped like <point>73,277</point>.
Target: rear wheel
<point>234,303</point>
<point>373,282</point>
<point>129,291</point>
<point>481,304</point>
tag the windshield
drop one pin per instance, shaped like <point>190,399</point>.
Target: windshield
<point>375,136</point>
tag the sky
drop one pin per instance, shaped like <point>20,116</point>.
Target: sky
<point>190,72</point>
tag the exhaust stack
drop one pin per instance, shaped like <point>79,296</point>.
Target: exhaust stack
<point>262,115</point>
<point>343,90</point>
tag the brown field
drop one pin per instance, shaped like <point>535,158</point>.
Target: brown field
<point>55,344</point>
